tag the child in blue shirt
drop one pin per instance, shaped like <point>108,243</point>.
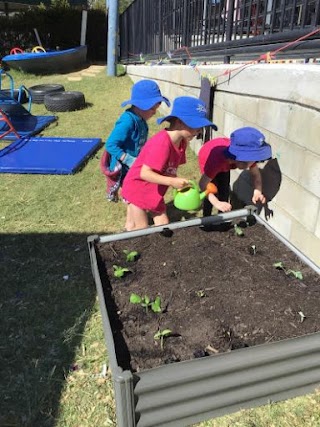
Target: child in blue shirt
<point>130,134</point>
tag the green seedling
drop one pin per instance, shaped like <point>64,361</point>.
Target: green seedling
<point>131,255</point>
<point>119,271</point>
<point>253,249</point>
<point>146,302</point>
<point>156,305</point>
<point>297,274</point>
<point>161,335</point>
<point>302,316</point>
<point>200,293</point>
<point>238,230</point>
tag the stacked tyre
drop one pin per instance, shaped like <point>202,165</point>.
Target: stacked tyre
<point>56,98</point>
<point>64,101</point>
<point>38,92</point>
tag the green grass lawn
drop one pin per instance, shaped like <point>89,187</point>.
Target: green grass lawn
<point>52,350</point>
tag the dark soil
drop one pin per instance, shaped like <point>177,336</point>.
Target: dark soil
<point>217,294</point>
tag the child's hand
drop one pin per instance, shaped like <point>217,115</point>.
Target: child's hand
<point>128,160</point>
<point>179,183</point>
<point>223,206</point>
<point>258,197</point>
<point>216,203</point>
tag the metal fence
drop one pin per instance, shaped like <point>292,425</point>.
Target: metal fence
<point>218,29</point>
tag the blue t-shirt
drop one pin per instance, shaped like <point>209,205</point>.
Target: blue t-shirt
<point>129,134</point>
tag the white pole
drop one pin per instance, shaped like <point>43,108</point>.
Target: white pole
<point>83,27</point>
<point>37,37</point>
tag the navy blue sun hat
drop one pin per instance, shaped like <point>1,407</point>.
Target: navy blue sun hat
<point>191,111</point>
<point>145,94</point>
<point>248,145</point>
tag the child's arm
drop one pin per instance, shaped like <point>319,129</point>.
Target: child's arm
<point>148,174</point>
<point>257,185</point>
<point>120,138</point>
<point>216,203</point>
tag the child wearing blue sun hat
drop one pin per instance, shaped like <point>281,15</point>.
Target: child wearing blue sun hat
<point>245,147</point>
<point>129,134</point>
<point>155,169</point>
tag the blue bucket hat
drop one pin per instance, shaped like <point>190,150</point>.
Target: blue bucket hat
<point>247,145</point>
<point>191,111</point>
<point>145,94</point>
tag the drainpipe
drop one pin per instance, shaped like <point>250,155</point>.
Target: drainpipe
<point>112,10</point>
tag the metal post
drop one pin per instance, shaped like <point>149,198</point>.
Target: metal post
<point>112,37</point>
<point>229,26</point>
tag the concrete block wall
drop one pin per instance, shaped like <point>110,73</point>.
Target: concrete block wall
<point>282,101</point>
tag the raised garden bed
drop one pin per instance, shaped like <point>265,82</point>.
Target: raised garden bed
<point>243,332</point>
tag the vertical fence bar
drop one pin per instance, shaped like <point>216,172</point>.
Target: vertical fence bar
<point>229,25</point>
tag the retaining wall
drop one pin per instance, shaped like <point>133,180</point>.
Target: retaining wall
<point>282,101</point>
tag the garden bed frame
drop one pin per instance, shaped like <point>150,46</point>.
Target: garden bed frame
<point>191,391</point>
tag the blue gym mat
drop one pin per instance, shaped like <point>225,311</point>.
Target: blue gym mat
<point>55,156</point>
<point>25,123</point>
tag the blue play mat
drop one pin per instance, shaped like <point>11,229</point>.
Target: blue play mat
<point>55,155</point>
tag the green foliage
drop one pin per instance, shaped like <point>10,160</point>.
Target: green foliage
<point>161,335</point>
<point>297,274</point>
<point>131,255</point>
<point>238,231</point>
<point>146,302</point>
<point>63,4</point>
<point>119,271</point>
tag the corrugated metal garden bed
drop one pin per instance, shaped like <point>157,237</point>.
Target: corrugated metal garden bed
<point>243,328</point>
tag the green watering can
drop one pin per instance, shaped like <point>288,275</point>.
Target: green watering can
<point>189,198</point>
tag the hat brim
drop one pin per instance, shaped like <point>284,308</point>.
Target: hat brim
<point>147,103</point>
<point>192,122</point>
<point>259,155</point>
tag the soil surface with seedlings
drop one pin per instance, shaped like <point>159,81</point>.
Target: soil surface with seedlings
<point>219,292</point>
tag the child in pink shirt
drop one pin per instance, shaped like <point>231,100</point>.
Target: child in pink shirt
<point>217,157</point>
<point>155,169</point>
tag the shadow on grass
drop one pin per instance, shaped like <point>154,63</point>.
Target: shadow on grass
<point>47,294</point>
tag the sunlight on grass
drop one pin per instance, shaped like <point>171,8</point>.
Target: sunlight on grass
<point>53,359</point>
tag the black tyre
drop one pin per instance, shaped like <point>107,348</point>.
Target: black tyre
<point>23,98</point>
<point>64,101</point>
<point>38,92</point>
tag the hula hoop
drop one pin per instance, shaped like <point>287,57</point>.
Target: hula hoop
<point>15,50</point>
<point>37,49</point>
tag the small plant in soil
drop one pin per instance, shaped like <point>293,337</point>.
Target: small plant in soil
<point>131,255</point>
<point>297,274</point>
<point>253,250</point>
<point>146,302</point>
<point>302,316</point>
<point>161,335</point>
<point>238,231</point>
<point>119,271</point>
<point>200,293</point>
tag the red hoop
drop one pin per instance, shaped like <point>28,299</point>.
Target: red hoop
<point>15,50</point>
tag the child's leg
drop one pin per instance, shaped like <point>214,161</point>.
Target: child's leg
<point>160,219</point>
<point>129,220</point>
<point>136,218</point>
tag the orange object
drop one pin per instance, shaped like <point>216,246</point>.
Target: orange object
<point>211,188</point>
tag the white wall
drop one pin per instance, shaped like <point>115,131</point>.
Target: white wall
<point>283,102</point>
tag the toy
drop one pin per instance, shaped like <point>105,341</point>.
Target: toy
<point>189,198</point>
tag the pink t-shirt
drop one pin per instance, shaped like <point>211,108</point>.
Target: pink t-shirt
<point>161,155</point>
<point>212,159</point>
